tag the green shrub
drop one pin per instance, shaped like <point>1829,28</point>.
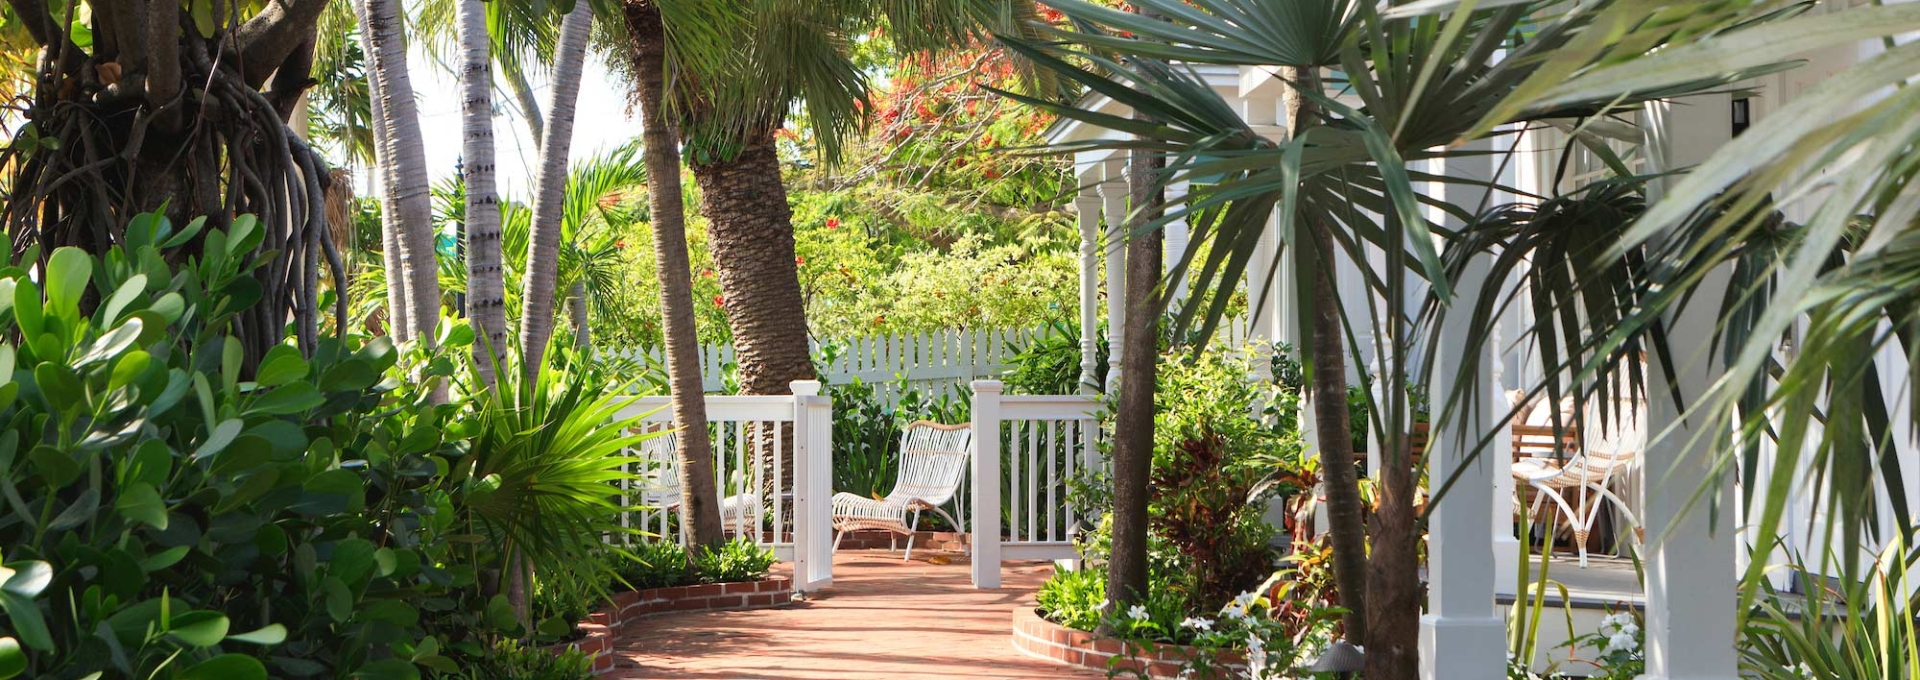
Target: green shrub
<point>509,660</point>
<point>657,564</point>
<point>664,564</point>
<point>1210,453</point>
<point>1051,363</point>
<point>1073,598</point>
<point>735,561</point>
<point>178,509</point>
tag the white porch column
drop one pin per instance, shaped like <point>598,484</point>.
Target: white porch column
<point>1691,581</point>
<point>1113,193</point>
<point>1178,237</point>
<point>1460,637</point>
<point>1088,208</point>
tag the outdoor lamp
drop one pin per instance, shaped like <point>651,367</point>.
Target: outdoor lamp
<point>1341,658</point>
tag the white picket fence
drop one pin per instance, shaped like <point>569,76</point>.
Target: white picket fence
<point>790,512</point>
<point>937,365</point>
<point>1027,450</point>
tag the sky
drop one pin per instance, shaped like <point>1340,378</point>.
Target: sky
<point>602,122</point>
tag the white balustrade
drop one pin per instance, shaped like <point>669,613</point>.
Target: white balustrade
<point>1028,450</point>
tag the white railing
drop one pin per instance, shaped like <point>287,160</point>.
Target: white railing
<point>1027,452</point>
<point>773,469</point>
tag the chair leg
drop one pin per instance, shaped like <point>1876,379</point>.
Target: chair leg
<point>912,528</point>
<point>837,535</point>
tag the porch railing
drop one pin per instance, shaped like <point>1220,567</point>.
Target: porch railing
<point>1028,451</point>
<point>773,469</point>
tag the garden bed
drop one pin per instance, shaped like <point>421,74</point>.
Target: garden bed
<point>1039,637</point>
<point>628,606</point>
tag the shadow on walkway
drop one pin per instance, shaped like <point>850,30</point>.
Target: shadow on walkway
<point>882,618</point>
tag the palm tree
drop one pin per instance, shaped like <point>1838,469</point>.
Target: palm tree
<point>404,194</point>
<point>698,490</point>
<point>486,284</point>
<point>786,54</point>
<point>543,249</point>
<point>1424,83</point>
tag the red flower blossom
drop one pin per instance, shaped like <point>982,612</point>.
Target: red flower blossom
<point>799,260</point>
<point>620,244</point>
<point>720,300</point>
<point>833,223</point>
<point>706,273</point>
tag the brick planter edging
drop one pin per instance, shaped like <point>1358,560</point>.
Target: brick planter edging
<point>632,605</point>
<point>1035,636</point>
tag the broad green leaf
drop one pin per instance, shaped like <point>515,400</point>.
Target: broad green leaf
<point>122,296</point>
<point>202,13</point>
<point>129,368</point>
<point>56,466</point>
<point>67,275</point>
<point>59,386</point>
<point>282,365</point>
<point>193,227</point>
<point>226,667</point>
<point>199,628</point>
<point>288,399</point>
<point>13,659</point>
<point>353,560</point>
<point>500,613</point>
<point>339,600</point>
<point>112,344</point>
<point>27,579</point>
<point>25,618</point>
<point>163,559</point>
<point>141,503</point>
<point>218,440</point>
<point>273,634</point>
<point>231,355</point>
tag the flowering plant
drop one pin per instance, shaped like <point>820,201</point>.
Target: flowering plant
<point>1617,646</point>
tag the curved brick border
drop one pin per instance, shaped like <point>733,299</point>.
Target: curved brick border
<point>629,606</point>
<point>1039,637</point>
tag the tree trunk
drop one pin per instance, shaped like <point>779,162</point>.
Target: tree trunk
<point>406,158</point>
<point>1328,363</point>
<point>698,492</point>
<point>486,283</point>
<point>750,229</point>
<point>389,224</point>
<point>523,96</point>
<point>577,313</point>
<point>1127,569</point>
<point>550,191</point>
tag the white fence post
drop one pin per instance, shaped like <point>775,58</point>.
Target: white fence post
<point>813,487</point>
<point>985,538</point>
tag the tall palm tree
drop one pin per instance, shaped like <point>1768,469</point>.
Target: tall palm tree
<point>787,54</point>
<point>698,488</point>
<point>1424,84</point>
<point>486,283</point>
<point>543,249</point>
<point>410,217</point>
<point>397,303</point>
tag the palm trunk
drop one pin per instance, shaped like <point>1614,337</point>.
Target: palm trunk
<point>523,96</point>
<point>750,228</point>
<point>1328,360</point>
<point>578,314</point>
<point>543,244</point>
<point>389,226</point>
<point>1127,569</point>
<point>698,492</point>
<point>406,159</point>
<point>486,285</point>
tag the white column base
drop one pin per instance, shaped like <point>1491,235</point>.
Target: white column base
<point>1506,563</point>
<point>1455,648</point>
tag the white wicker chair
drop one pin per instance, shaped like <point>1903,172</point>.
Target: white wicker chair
<point>933,461</point>
<point>660,488</point>
<point>1605,451</point>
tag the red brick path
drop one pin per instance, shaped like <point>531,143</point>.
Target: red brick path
<point>882,619</point>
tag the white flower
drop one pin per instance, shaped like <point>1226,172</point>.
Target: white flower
<point>1245,600</point>
<point>1197,624</point>
<point>1233,613</point>
<point>1629,629</point>
<point>1614,621</point>
<point>1103,604</point>
<point>1621,642</point>
<point>1805,671</point>
<point>1137,613</point>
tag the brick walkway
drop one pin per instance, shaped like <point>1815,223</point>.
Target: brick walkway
<point>881,619</point>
